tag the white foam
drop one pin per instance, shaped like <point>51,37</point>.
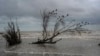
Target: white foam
<point>44,53</point>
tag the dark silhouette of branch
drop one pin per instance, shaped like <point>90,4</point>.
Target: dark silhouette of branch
<point>12,34</point>
<point>57,30</point>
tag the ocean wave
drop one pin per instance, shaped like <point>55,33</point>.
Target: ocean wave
<point>44,53</point>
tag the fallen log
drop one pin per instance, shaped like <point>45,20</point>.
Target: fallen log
<point>46,42</point>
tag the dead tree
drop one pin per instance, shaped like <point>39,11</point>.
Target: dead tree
<point>59,27</point>
<point>12,34</point>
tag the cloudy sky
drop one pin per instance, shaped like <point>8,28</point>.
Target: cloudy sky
<point>28,12</point>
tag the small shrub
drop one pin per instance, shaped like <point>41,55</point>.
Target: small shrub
<point>12,34</point>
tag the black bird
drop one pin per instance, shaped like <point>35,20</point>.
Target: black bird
<point>67,14</point>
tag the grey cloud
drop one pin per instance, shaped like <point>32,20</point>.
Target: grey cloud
<point>76,8</point>
<point>32,7</point>
<point>24,9</point>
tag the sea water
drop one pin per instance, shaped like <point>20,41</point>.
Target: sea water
<point>74,45</point>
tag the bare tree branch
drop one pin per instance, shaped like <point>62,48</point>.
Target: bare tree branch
<point>57,30</point>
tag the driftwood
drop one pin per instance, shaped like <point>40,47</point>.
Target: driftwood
<point>45,41</point>
<point>59,26</point>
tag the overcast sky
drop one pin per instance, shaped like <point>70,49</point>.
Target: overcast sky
<point>28,12</point>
